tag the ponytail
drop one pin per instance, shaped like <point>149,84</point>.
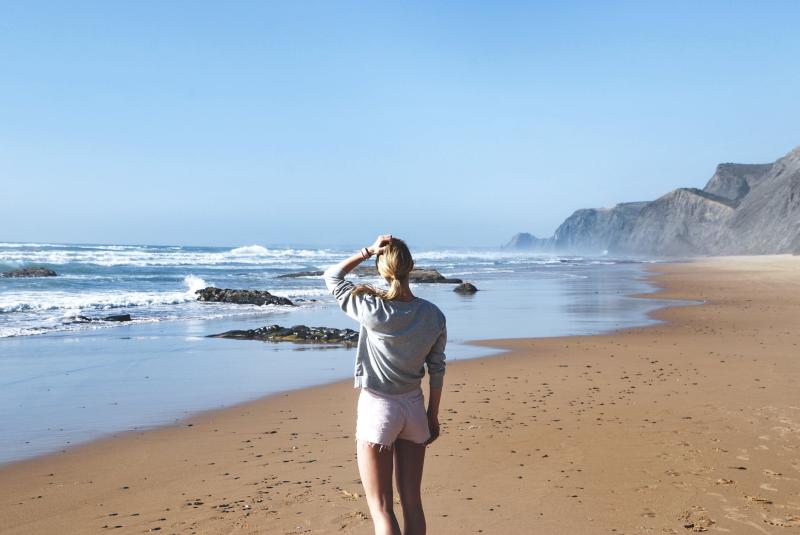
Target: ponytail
<point>394,265</point>
<point>395,287</point>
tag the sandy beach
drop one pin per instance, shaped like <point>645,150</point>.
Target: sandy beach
<point>686,426</point>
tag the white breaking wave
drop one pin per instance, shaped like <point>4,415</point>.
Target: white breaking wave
<point>194,284</point>
<point>300,292</point>
<point>34,301</point>
<point>11,244</point>
<point>114,255</point>
<point>250,250</point>
<point>39,301</point>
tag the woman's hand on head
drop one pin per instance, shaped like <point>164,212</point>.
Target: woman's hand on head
<point>380,244</point>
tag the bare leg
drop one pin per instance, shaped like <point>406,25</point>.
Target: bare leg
<point>375,467</point>
<point>409,459</point>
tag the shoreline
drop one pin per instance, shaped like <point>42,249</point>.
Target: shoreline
<point>150,373</point>
<point>137,478</point>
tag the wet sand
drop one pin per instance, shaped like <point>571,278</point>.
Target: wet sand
<point>685,426</point>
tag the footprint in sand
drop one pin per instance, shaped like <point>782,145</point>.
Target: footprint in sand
<point>696,519</point>
<point>350,495</point>
<point>348,519</point>
<point>758,499</point>
<point>732,513</point>
<point>788,522</point>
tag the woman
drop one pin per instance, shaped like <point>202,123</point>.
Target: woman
<point>400,335</point>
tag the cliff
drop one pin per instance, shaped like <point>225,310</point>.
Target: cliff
<point>735,180</point>
<point>768,218</point>
<point>743,209</point>
<point>685,221</point>
<point>594,229</point>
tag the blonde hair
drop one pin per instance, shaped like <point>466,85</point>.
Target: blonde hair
<point>394,265</point>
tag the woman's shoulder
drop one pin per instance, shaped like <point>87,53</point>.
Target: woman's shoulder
<point>430,307</point>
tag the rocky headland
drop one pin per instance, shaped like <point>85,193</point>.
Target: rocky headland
<point>743,209</point>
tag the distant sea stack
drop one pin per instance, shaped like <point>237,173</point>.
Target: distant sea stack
<point>524,240</point>
<point>743,209</point>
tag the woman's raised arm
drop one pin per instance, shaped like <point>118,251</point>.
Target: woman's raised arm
<point>342,289</point>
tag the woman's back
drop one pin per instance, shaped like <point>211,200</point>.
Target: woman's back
<point>397,338</point>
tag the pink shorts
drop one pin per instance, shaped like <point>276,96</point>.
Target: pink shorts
<point>383,418</point>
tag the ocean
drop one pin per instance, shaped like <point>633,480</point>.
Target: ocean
<point>65,380</point>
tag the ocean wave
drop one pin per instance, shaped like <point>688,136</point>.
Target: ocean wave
<point>38,301</point>
<point>194,283</point>
<point>250,250</point>
<point>66,326</point>
<point>306,292</point>
<point>455,256</point>
<point>140,256</point>
<point>12,244</point>
<point>35,324</point>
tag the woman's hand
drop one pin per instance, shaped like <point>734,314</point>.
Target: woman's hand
<point>380,244</point>
<point>433,426</point>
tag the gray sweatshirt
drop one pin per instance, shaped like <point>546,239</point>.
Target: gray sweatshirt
<point>397,338</point>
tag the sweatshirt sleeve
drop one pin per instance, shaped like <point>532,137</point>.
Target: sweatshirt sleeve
<point>342,290</point>
<point>436,360</point>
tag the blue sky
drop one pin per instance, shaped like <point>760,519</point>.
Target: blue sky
<point>325,123</point>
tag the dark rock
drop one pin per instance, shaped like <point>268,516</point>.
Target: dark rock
<point>30,272</point>
<point>77,319</point>
<point>89,319</point>
<point>300,274</point>
<point>431,276</point>
<point>420,275</point>
<point>240,297</point>
<point>298,333</point>
<point>465,288</point>
<point>118,317</point>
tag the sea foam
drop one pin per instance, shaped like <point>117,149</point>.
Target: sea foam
<point>194,283</point>
<point>141,256</point>
<point>250,250</point>
<point>75,303</point>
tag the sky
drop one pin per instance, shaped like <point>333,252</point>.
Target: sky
<point>327,123</point>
